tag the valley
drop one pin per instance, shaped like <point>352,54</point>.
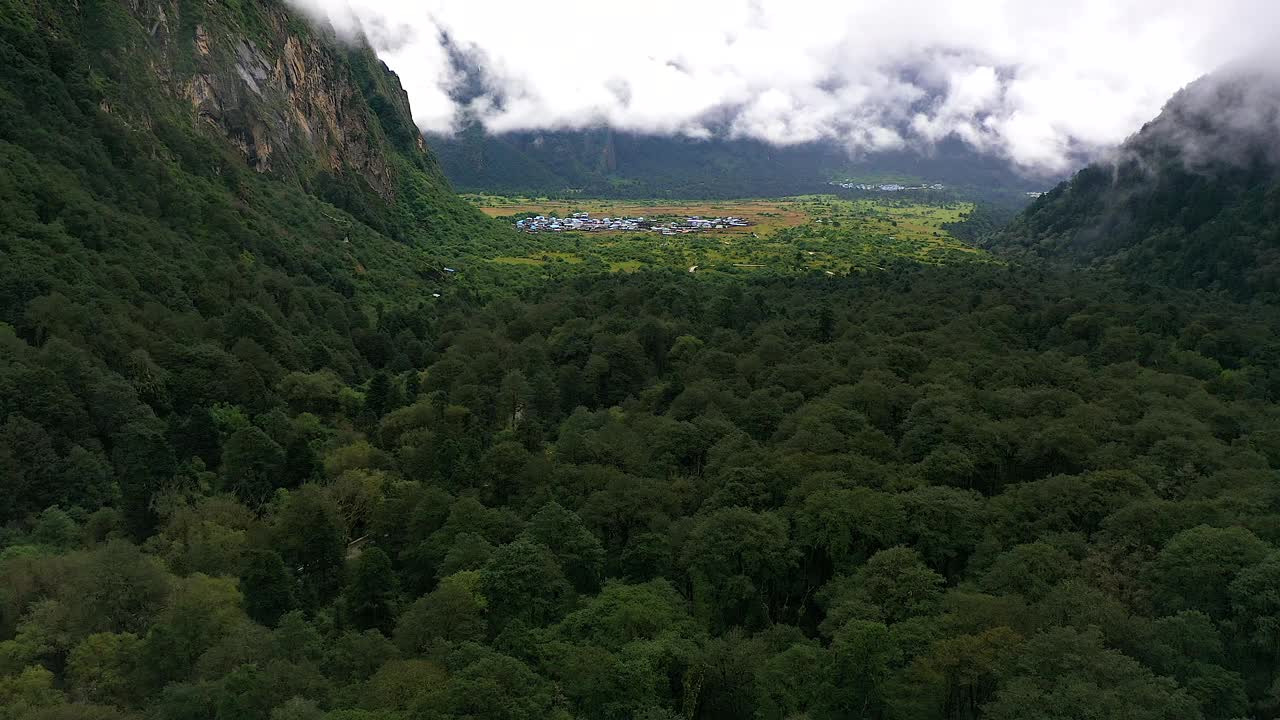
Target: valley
<point>291,430</point>
<point>821,233</point>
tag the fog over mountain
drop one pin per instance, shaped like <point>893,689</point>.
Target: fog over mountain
<point>1039,84</point>
<point>1230,119</point>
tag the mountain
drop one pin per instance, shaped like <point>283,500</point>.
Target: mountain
<point>197,199</point>
<point>1191,200</point>
<point>603,162</point>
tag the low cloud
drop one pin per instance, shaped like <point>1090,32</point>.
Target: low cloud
<point>1041,84</point>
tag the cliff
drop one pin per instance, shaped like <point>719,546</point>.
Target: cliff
<point>290,97</point>
<point>200,152</point>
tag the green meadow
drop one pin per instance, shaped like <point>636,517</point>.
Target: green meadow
<point>797,234</point>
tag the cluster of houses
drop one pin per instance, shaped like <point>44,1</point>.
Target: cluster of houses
<point>583,222</point>
<point>887,187</point>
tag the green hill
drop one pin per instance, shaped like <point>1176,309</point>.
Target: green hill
<point>1192,200</point>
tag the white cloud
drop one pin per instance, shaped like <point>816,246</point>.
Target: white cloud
<point>1033,82</point>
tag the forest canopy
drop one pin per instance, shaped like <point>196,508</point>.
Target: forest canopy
<point>653,494</point>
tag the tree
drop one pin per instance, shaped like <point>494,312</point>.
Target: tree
<point>298,709</point>
<point>524,582</point>
<point>578,551</point>
<point>452,613</point>
<point>196,435</point>
<point>1065,673</point>
<point>201,612</point>
<point>892,586</point>
<point>379,399</point>
<point>88,477</point>
<point>738,560</point>
<point>28,692</point>
<point>1194,570</point>
<point>1255,605</point>
<point>29,465</point>
<point>468,552</point>
<point>56,529</point>
<point>144,463</point>
<point>502,471</point>
<point>1031,570</point>
<point>957,676</point>
<point>267,587</point>
<point>497,686</point>
<point>253,464</point>
<point>356,656</point>
<point>243,694</point>
<point>357,493</point>
<point>599,683</point>
<point>513,394</point>
<point>102,669</point>
<point>309,537</point>
<point>825,330</point>
<point>115,588</point>
<point>301,463</point>
<point>626,505</point>
<point>844,527</point>
<point>857,669</point>
<point>370,598</point>
<point>405,683</point>
<point>791,681</point>
<point>623,614</point>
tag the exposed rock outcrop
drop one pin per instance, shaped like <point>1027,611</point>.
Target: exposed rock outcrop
<point>287,94</point>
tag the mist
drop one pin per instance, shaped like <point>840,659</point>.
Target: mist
<point>1042,85</point>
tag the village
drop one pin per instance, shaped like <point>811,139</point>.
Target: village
<point>583,222</point>
<point>887,187</point>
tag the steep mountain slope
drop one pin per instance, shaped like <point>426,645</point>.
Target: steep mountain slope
<point>606,163</point>
<point>1192,200</point>
<point>195,200</point>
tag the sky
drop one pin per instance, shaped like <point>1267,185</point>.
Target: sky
<point>1041,84</point>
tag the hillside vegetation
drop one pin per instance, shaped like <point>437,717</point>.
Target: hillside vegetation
<point>1192,200</point>
<point>140,243</point>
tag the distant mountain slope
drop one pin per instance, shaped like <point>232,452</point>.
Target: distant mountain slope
<point>197,199</point>
<point>1192,200</point>
<point>606,163</point>
<point>152,83</point>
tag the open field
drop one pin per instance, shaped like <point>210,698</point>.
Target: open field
<point>797,234</point>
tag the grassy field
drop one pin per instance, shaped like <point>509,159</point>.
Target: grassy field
<point>807,233</point>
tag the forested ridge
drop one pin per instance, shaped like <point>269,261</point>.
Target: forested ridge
<point>602,162</point>
<point>1192,200</point>
<point>264,456</point>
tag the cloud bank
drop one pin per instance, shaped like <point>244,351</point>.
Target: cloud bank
<point>1038,83</point>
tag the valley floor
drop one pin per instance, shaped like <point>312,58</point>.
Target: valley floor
<point>805,233</point>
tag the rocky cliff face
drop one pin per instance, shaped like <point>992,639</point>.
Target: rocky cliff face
<point>285,93</point>
<point>609,155</point>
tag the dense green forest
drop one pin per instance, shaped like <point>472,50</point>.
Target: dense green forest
<point>264,455</point>
<point>651,496</point>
